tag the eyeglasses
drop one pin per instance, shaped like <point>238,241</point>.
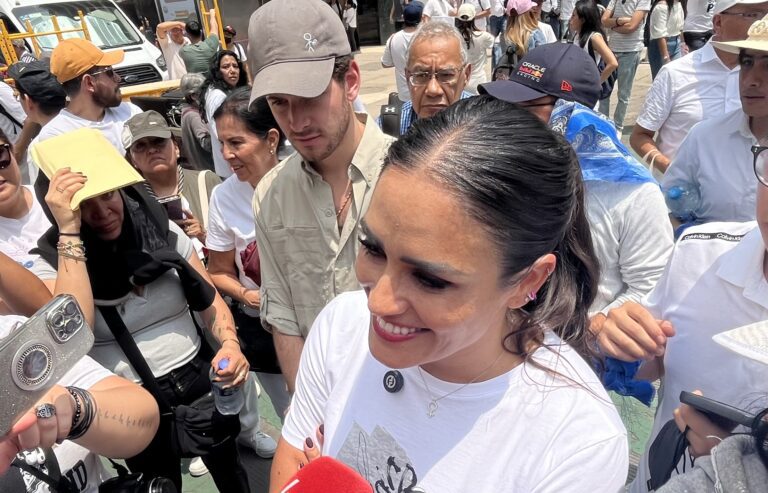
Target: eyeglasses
<point>109,71</point>
<point>751,16</point>
<point>760,164</point>
<point>443,77</point>
<point>5,155</point>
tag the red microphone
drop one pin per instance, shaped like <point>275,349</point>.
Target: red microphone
<point>327,475</point>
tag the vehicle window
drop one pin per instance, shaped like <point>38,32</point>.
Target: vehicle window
<point>107,25</point>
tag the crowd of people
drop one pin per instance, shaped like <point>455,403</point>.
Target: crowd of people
<point>444,298</point>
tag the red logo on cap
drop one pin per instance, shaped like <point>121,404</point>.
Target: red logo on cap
<point>566,86</point>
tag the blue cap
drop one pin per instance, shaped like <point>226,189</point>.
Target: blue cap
<point>412,13</point>
<point>562,70</point>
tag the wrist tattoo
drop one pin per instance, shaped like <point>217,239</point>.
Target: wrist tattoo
<point>124,419</point>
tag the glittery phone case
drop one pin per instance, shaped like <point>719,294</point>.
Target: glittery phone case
<point>38,353</point>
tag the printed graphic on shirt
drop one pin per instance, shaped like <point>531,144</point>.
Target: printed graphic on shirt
<point>712,236</point>
<point>16,480</point>
<point>380,460</point>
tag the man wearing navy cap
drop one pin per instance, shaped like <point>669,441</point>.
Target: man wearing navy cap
<point>631,243</point>
<point>396,50</point>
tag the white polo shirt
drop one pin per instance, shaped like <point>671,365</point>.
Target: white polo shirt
<point>716,157</point>
<point>686,91</point>
<point>713,283</point>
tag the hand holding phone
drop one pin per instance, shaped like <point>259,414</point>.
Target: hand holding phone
<point>707,422</point>
<point>173,207</point>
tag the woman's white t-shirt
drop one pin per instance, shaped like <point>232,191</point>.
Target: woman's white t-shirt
<point>477,55</point>
<point>667,22</point>
<point>19,236</point>
<point>524,431</point>
<point>82,467</point>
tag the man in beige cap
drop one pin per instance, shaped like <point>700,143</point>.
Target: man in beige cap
<point>308,207</point>
<point>93,90</point>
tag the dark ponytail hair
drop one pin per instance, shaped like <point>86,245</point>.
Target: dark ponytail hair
<point>523,184</point>
<point>589,13</point>
<point>467,30</point>
<point>214,78</point>
<point>257,116</point>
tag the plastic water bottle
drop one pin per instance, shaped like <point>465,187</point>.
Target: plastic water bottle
<point>228,400</point>
<point>683,201</point>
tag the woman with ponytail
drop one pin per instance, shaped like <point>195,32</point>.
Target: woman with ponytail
<point>459,365</point>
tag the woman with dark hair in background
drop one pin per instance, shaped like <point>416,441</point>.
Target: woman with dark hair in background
<point>477,41</point>
<point>251,141</point>
<point>473,313</point>
<point>587,27</point>
<point>225,74</point>
<point>665,42</point>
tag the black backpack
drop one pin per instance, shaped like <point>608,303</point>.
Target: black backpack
<point>507,64</point>
<point>390,115</point>
<point>647,27</point>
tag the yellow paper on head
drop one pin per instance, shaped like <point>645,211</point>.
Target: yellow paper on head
<point>85,150</point>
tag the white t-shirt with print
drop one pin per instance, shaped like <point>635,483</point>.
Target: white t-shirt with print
<point>19,236</point>
<point>111,125</point>
<point>524,430</point>
<point>714,282</point>
<point>83,468</point>
<point>699,18</point>
<point>621,43</point>
<point>230,222</point>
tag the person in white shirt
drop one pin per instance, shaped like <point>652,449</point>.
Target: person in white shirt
<point>550,14</point>
<point>698,23</point>
<point>566,11</point>
<point>396,50</point>
<point>12,115</point>
<point>456,316</point>
<point>666,27</point>
<point>545,28</point>
<point>625,18</point>
<point>695,88</point>
<point>478,42</point>
<point>350,23</point>
<point>440,10</point>
<point>496,19</point>
<point>171,45</point>
<point>482,12</point>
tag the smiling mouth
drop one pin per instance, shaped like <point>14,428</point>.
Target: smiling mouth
<point>396,330</point>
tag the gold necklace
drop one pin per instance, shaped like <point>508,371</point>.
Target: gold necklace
<point>347,196</point>
<point>432,406</point>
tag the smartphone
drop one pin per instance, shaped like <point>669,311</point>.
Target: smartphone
<point>725,416</point>
<point>38,353</point>
<point>173,207</point>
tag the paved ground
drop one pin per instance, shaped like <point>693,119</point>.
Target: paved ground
<point>377,84</point>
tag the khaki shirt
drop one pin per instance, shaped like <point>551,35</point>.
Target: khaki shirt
<point>305,261</point>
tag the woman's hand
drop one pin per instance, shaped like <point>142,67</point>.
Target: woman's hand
<point>631,333</point>
<point>702,434</point>
<point>31,431</point>
<point>192,227</point>
<point>64,184</point>
<point>237,370</point>
<point>313,449</point>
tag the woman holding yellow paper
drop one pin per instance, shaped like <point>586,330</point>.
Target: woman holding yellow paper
<point>144,268</point>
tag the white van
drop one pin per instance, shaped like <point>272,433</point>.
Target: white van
<point>109,28</point>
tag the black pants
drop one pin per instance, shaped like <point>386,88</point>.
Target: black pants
<point>694,41</point>
<point>256,343</point>
<point>185,385</point>
<point>354,40</point>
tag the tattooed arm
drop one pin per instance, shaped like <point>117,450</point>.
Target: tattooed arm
<point>219,321</point>
<point>125,422</point>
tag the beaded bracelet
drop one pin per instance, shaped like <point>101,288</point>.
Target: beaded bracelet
<point>72,249</point>
<point>85,408</point>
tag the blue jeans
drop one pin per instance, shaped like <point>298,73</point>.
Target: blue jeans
<point>628,62</point>
<point>674,47</point>
<point>496,24</point>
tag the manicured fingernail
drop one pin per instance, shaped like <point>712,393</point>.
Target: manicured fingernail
<point>322,429</point>
<point>309,443</point>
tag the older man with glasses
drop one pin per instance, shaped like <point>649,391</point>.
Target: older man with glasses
<point>716,157</point>
<point>437,72</point>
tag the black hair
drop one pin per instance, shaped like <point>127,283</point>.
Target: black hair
<point>591,22</point>
<point>46,108</point>
<point>257,116</point>
<point>214,78</point>
<point>72,86</point>
<point>522,184</point>
<point>193,29</point>
<point>467,30</point>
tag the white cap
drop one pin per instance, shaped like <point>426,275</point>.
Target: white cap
<point>723,5</point>
<point>466,12</point>
<point>749,340</point>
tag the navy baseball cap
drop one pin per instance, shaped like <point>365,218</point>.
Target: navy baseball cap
<point>562,70</point>
<point>36,80</point>
<point>412,13</point>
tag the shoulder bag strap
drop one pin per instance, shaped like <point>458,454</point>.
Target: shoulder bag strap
<point>128,345</point>
<point>13,120</point>
<point>57,485</point>
<point>202,190</point>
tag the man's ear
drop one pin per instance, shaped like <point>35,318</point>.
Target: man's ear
<point>352,81</point>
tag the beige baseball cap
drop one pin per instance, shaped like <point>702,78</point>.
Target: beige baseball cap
<point>292,47</point>
<point>757,39</point>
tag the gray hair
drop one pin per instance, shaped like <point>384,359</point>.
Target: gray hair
<point>438,29</point>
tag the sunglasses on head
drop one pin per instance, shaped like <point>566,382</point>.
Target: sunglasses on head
<point>5,155</point>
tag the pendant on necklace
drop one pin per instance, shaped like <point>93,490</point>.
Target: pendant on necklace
<point>432,408</point>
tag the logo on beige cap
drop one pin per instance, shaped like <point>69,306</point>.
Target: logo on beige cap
<point>311,42</point>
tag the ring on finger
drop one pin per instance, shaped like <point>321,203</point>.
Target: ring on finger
<point>44,411</point>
